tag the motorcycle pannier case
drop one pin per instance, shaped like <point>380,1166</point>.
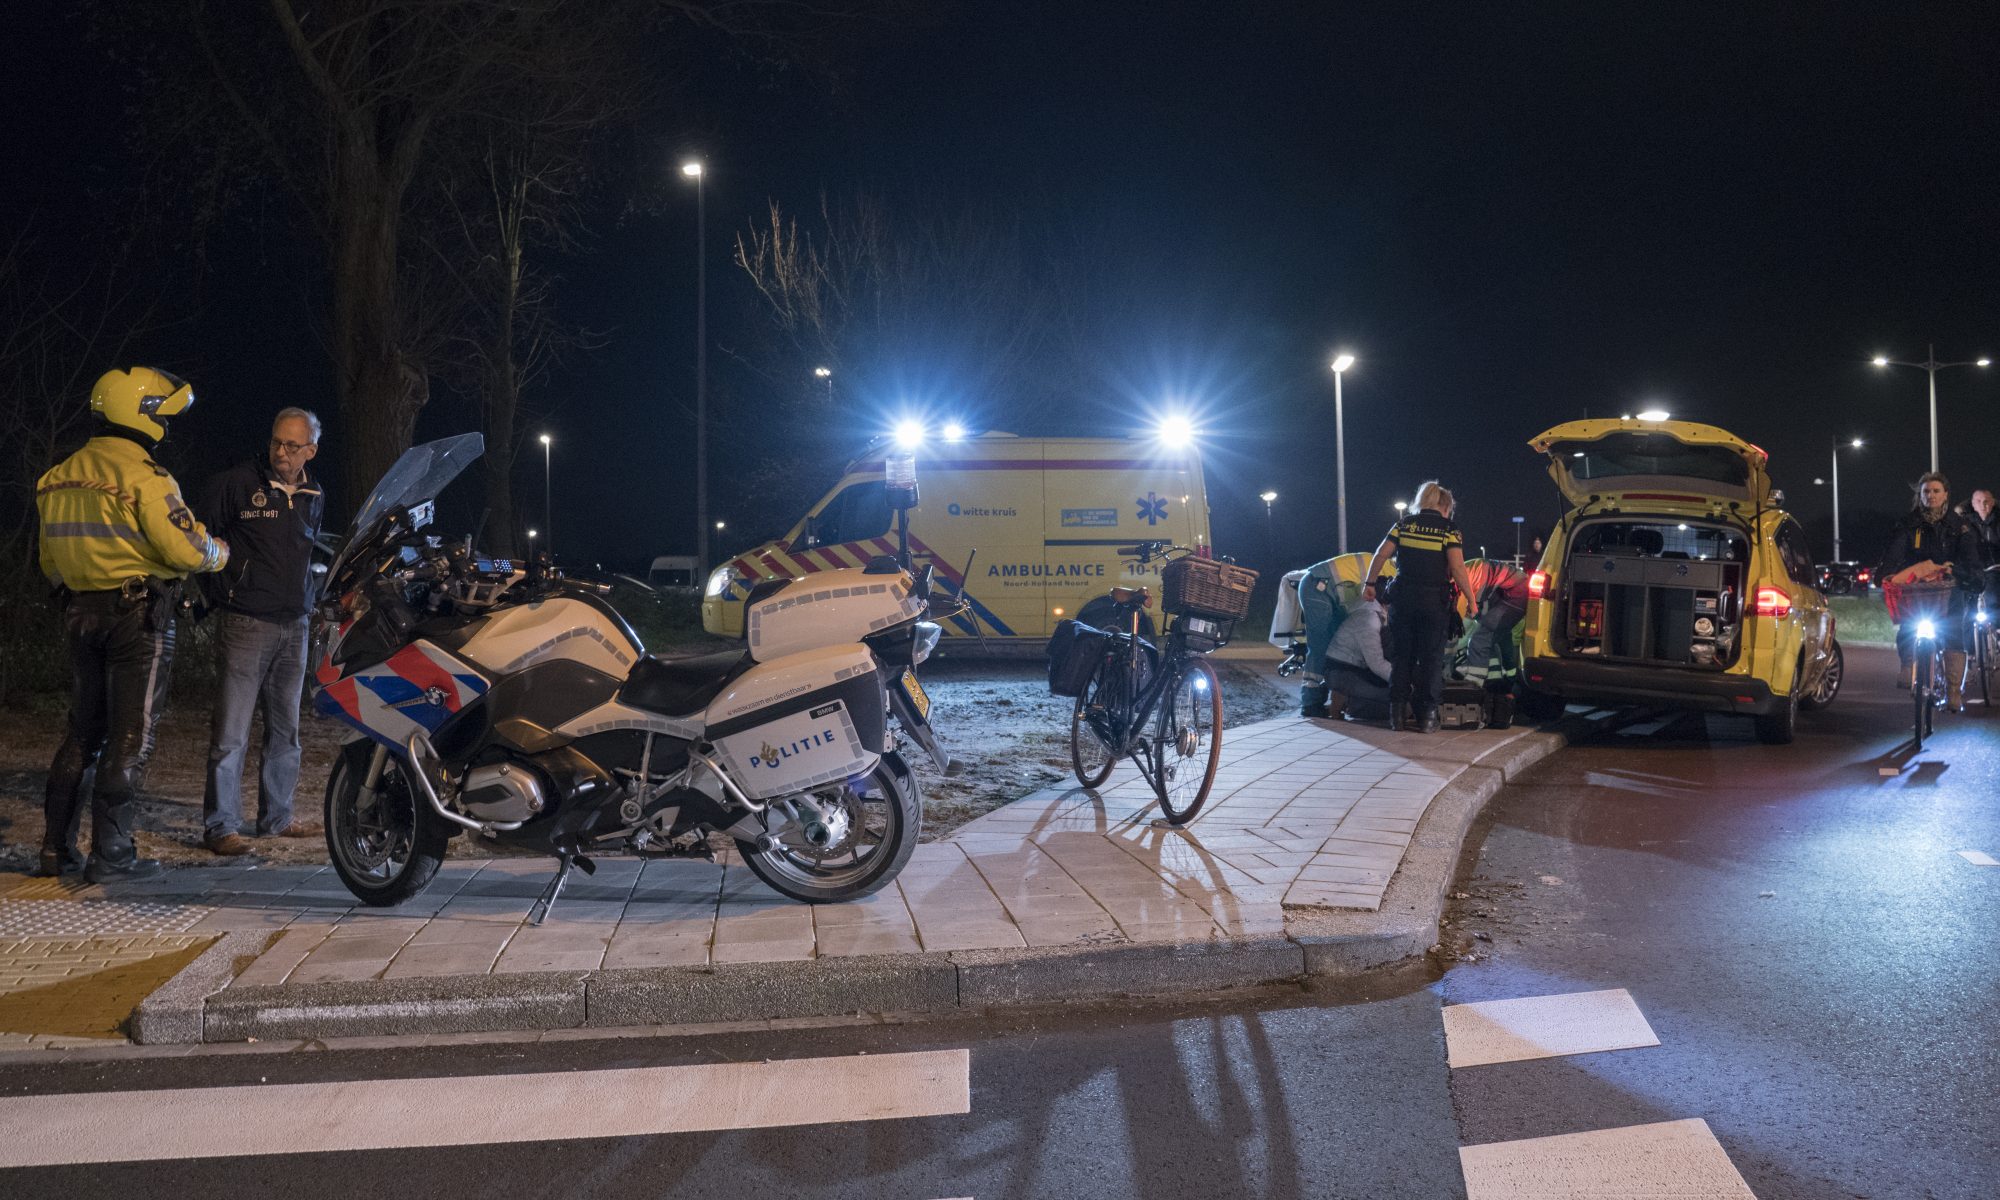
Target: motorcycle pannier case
<point>1075,649</point>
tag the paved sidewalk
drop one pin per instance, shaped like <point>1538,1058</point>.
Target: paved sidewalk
<point>1305,816</point>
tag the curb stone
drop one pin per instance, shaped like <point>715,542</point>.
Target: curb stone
<point>759,991</point>
<point>173,1014</point>
<point>1317,943</point>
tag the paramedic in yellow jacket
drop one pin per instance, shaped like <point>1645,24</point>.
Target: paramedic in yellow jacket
<point>116,540</point>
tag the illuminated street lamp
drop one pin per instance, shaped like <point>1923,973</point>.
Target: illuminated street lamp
<point>825,373</point>
<point>694,170</point>
<point>548,491</point>
<point>1854,443</point>
<point>1340,365</point>
<point>1176,432</point>
<point>1400,505</point>
<point>1931,366</point>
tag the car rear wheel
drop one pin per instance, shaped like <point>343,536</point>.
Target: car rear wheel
<point>1828,686</point>
<point>1779,726</point>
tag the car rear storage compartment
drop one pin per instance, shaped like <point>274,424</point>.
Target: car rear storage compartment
<point>1660,591</point>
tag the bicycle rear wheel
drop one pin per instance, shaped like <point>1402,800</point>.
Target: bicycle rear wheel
<point>1100,706</point>
<point>1187,741</point>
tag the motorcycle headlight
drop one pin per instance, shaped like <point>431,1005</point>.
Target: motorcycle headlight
<point>926,640</point>
<point>720,581</point>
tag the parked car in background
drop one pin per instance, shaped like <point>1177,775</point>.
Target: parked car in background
<point>1842,578</point>
<point>1675,579</point>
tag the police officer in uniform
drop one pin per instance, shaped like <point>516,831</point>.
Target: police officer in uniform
<point>116,540</point>
<point>1430,561</point>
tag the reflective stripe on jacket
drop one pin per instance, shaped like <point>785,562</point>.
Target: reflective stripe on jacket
<point>110,513</point>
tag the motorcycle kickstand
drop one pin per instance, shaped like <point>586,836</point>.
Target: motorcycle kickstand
<point>540,912</point>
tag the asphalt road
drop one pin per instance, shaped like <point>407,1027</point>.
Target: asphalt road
<point>1813,955</point>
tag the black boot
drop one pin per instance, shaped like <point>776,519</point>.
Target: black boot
<point>1428,723</point>
<point>59,862</point>
<point>1398,716</point>
<point>1312,700</point>
<point>105,871</point>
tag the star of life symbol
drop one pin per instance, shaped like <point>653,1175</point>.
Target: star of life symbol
<point>1153,508</point>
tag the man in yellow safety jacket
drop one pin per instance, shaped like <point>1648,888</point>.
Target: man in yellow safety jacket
<point>116,540</point>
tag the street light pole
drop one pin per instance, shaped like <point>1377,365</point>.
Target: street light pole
<point>826,373</point>
<point>1340,365</point>
<point>548,494</point>
<point>1931,366</point>
<point>696,171</point>
<point>1856,443</point>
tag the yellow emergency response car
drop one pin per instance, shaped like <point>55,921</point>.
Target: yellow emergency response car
<point>1675,579</point>
<point>1029,526</point>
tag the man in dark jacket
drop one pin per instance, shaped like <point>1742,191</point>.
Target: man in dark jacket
<point>271,508</point>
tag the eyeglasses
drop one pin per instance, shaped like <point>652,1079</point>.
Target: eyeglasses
<point>286,447</point>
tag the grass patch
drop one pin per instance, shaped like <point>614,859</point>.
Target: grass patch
<point>1862,618</point>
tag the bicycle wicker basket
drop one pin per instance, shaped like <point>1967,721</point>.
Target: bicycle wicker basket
<point>1929,600</point>
<point>1203,585</point>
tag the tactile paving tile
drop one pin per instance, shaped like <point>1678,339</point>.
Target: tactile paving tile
<point>81,918</point>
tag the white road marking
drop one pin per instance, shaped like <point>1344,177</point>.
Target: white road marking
<point>367,1114</point>
<point>1979,858</point>
<point>1497,1031</point>
<point>1679,1159</point>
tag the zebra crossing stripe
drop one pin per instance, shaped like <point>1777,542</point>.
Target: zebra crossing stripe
<point>1498,1031</point>
<point>1679,1159</point>
<point>368,1114</point>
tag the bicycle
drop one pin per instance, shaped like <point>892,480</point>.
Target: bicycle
<point>1162,708</point>
<point>1927,604</point>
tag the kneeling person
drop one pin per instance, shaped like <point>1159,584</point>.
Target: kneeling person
<point>1357,666</point>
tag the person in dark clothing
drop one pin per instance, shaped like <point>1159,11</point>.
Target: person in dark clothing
<point>271,508</point>
<point>1932,533</point>
<point>1430,563</point>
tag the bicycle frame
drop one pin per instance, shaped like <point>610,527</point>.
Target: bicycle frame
<point>1124,657</point>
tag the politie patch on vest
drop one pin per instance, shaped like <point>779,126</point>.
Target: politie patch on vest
<point>796,752</point>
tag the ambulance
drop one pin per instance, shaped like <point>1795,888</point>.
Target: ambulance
<point>1029,528</point>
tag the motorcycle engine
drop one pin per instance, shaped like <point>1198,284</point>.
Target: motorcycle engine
<point>503,792</point>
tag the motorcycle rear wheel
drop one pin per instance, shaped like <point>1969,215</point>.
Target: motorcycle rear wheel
<point>389,853</point>
<point>886,810</point>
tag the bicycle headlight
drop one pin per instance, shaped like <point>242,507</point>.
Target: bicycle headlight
<point>1926,630</point>
<point>1982,616</point>
<point>720,581</point>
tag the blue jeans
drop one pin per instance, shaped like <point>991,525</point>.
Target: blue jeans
<point>262,669</point>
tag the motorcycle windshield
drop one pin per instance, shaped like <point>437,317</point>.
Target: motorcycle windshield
<point>417,477</point>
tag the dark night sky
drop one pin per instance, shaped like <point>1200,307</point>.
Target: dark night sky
<point>1512,215</point>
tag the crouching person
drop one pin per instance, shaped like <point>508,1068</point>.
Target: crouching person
<point>1357,664</point>
<point>269,507</point>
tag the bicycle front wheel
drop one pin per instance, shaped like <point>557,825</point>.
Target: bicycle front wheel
<point>1920,693</point>
<point>1187,741</point>
<point>1098,708</point>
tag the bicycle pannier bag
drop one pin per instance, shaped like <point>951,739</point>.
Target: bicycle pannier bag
<point>1075,649</point>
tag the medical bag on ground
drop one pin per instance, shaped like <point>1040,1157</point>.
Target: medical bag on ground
<point>1463,705</point>
<point>1075,649</point>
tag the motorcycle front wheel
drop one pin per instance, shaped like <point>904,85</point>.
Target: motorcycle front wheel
<point>385,851</point>
<point>879,816</point>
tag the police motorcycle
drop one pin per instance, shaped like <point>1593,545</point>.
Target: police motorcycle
<point>505,701</point>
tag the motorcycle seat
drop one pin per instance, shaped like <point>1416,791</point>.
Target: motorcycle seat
<point>680,687</point>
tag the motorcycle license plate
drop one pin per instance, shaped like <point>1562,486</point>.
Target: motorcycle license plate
<point>915,692</point>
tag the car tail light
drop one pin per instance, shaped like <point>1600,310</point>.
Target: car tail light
<point>1773,602</point>
<point>1538,584</point>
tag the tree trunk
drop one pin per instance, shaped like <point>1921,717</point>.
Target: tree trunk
<point>380,389</point>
